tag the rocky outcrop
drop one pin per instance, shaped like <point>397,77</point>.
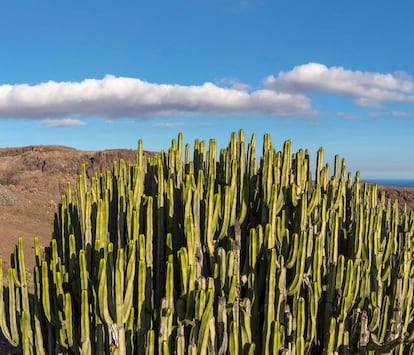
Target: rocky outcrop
<point>7,196</point>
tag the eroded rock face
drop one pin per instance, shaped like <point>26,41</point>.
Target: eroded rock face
<point>402,195</point>
<point>7,196</point>
<point>51,167</point>
<point>32,181</point>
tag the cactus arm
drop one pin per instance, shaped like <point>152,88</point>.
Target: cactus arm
<point>294,287</point>
<point>3,323</point>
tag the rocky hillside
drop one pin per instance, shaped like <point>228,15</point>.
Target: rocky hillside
<point>49,168</point>
<point>403,195</point>
<point>32,180</point>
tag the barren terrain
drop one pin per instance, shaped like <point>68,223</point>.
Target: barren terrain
<point>32,180</point>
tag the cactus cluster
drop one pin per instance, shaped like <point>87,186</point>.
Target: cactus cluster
<point>221,254</point>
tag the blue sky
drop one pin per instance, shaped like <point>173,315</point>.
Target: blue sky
<point>99,74</point>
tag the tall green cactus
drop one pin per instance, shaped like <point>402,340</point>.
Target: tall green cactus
<point>224,253</point>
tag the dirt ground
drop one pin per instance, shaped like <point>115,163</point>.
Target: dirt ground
<point>32,180</point>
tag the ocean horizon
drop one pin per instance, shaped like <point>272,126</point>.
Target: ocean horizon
<point>407,183</point>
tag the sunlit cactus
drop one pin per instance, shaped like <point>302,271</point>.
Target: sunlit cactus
<point>218,252</point>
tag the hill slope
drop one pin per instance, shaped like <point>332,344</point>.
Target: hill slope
<point>32,180</point>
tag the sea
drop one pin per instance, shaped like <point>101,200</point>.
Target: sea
<point>408,183</point>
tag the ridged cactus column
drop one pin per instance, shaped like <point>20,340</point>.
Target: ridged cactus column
<point>219,251</point>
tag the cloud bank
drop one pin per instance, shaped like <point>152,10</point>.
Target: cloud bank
<point>367,88</point>
<point>288,94</point>
<point>113,97</point>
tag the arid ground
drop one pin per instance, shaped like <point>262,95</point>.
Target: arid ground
<point>32,180</point>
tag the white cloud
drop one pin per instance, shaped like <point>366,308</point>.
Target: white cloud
<point>367,88</point>
<point>64,122</point>
<point>113,97</point>
<point>286,95</point>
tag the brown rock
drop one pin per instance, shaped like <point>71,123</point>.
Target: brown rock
<point>32,180</point>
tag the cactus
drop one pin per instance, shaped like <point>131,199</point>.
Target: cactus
<point>220,254</point>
